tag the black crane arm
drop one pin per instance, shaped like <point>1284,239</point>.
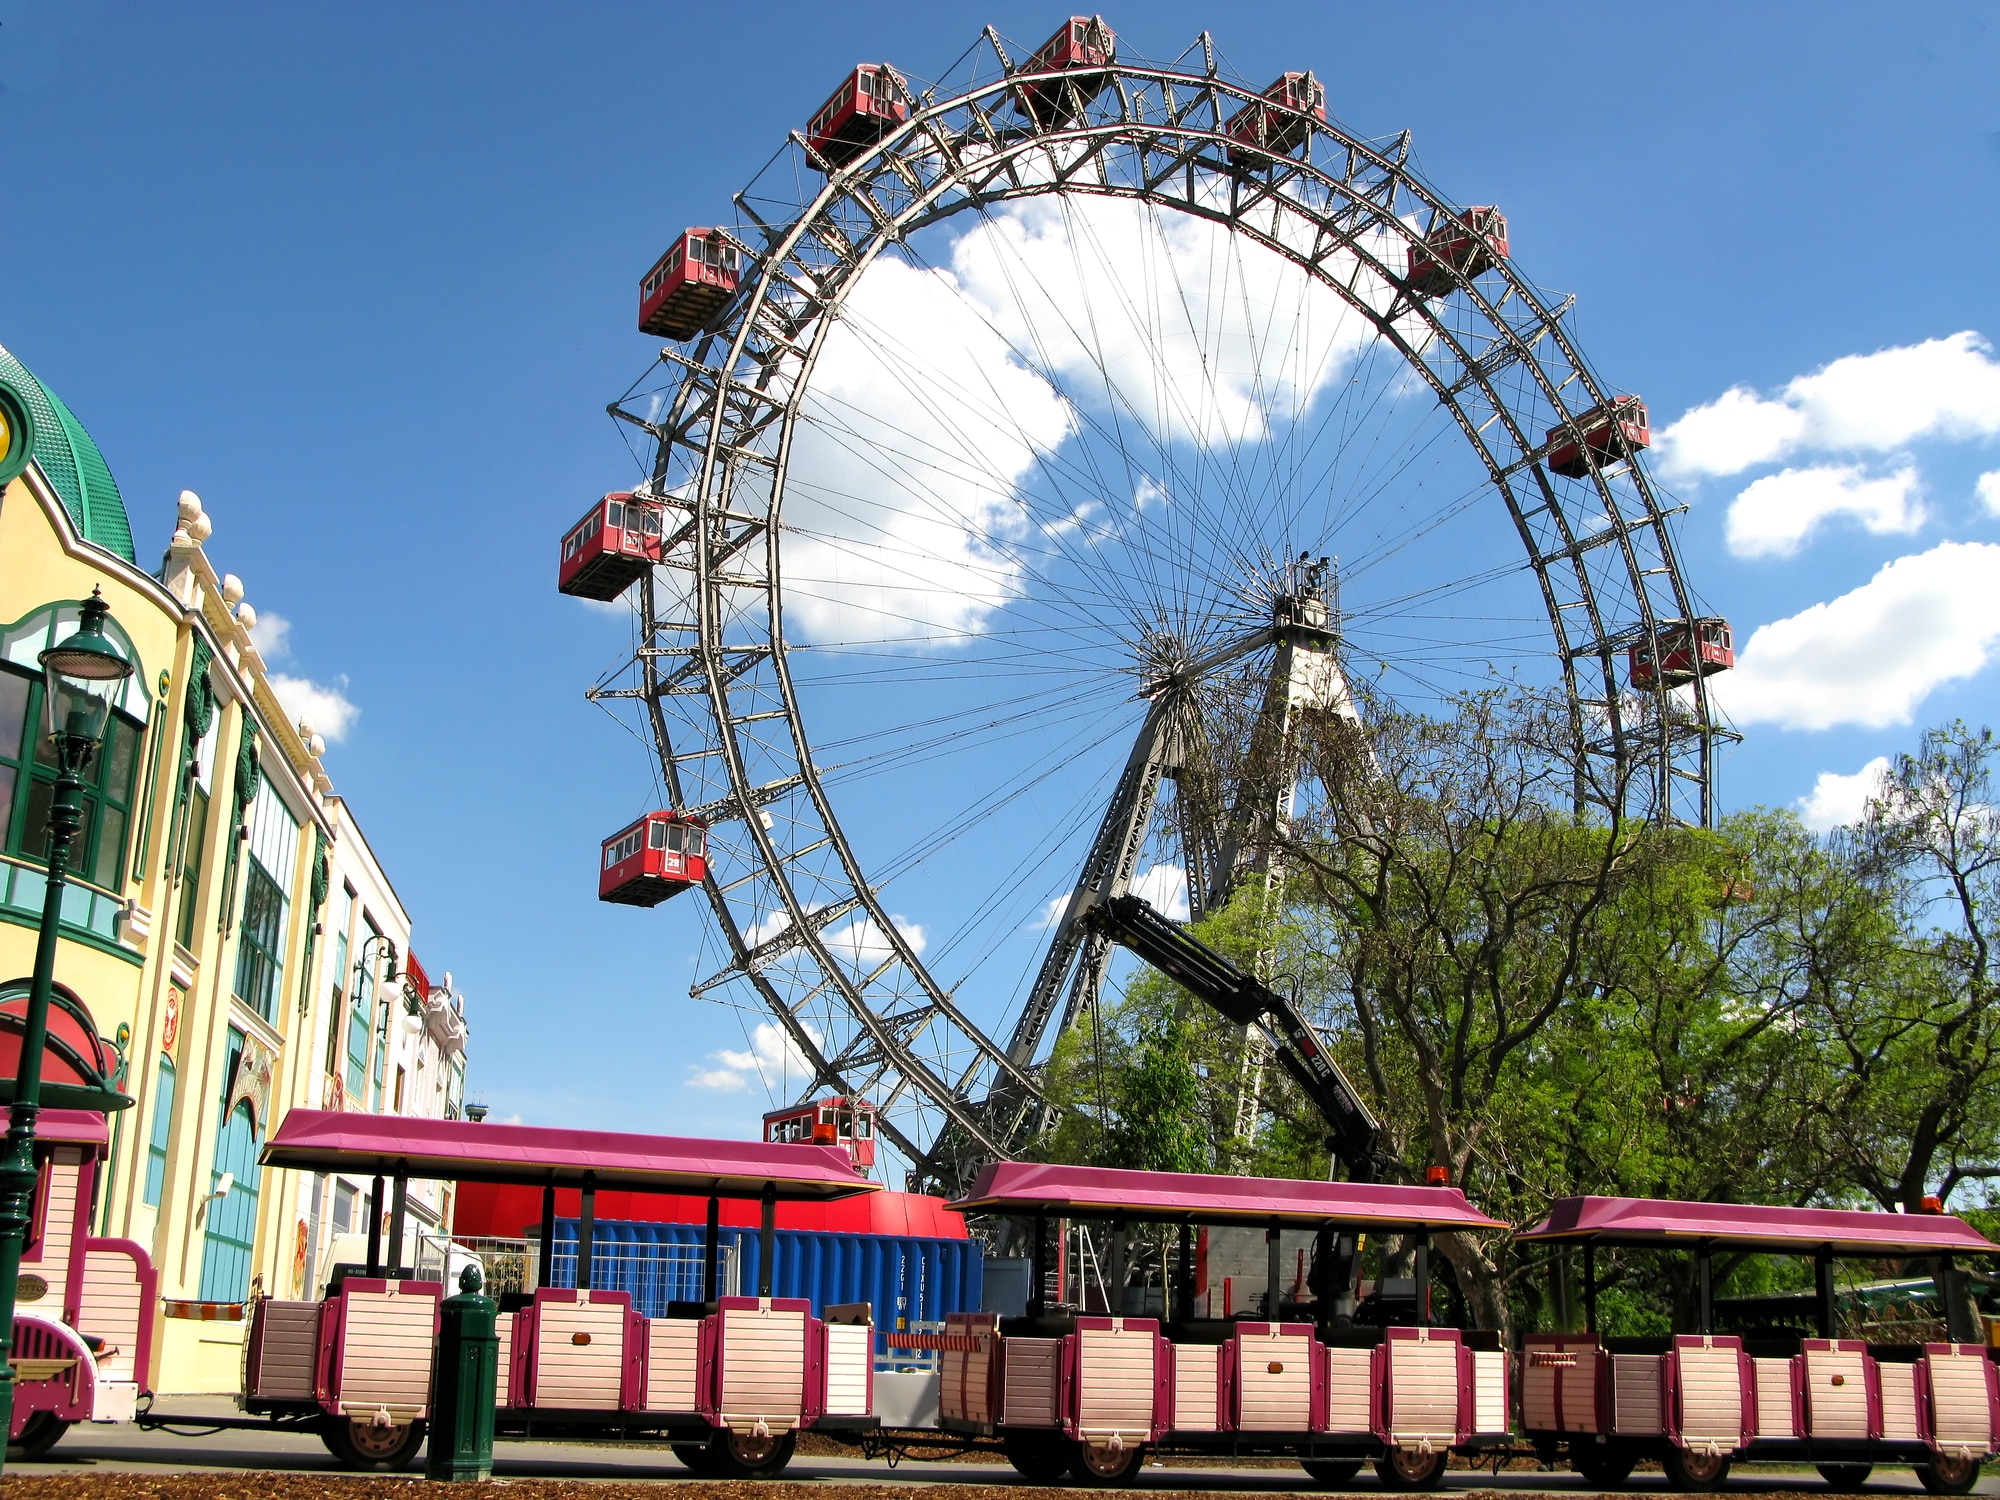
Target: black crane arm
<point>1133,924</point>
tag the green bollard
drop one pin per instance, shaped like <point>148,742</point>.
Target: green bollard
<point>463,1382</point>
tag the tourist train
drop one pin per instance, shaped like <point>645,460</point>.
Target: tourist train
<point>1306,1369</point>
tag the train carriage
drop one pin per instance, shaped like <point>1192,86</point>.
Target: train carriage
<point>1064,1391</point>
<point>1700,1400</point>
<point>728,1381</point>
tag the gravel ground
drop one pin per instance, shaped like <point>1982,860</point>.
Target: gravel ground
<point>116,1486</point>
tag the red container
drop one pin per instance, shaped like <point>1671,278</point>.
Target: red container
<point>833,1121</point>
<point>1688,649</point>
<point>688,285</point>
<point>869,103</point>
<point>1083,42</point>
<point>611,547</point>
<point>1457,250</point>
<point>1280,122</point>
<point>1606,433</point>
<point>659,856</point>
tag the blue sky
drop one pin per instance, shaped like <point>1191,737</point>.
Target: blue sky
<point>363,278</point>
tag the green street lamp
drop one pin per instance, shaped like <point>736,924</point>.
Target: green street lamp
<point>81,676</point>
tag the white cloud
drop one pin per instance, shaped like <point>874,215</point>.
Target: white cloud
<point>1941,388</point>
<point>1838,801</point>
<point>1872,655</point>
<point>1775,515</point>
<point>1988,491</point>
<point>1164,887</point>
<point>922,480</point>
<point>863,946</point>
<point>272,636</point>
<point>327,705</point>
<point>773,1059</point>
<point>1737,429</point>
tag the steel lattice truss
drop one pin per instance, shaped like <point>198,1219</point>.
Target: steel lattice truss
<point>711,668</point>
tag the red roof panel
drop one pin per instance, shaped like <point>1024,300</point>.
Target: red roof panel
<point>1845,1231</point>
<point>462,1151</point>
<point>1026,1187</point>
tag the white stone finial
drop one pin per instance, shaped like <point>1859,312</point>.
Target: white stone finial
<point>190,505</point>
<point>232,590</point>
<point>305,731</point>
<point>200,528</point>
<point>317,747</point>
<point>246,617</point>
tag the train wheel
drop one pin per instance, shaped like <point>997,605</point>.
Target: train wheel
<point>694,1455</point>
<point>1847,1478</point>
<point>39,1433</point>
<point>1605,1470</point>
<point>744,1455</point>
<point>1949,1476</point>
<point>1107,1466</point>
<point>1407,1469</point>
<point>1695,1471</point>
<point>1331,1473</point>
<point>364,1446</point>
<point>1039,1457</point>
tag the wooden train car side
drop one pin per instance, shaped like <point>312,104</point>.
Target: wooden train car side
<point>85,1304</point>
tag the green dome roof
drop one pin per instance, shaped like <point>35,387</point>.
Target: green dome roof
<point>69,460</point>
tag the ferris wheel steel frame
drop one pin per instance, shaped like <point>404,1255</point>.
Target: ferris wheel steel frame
<point>1494,352</point>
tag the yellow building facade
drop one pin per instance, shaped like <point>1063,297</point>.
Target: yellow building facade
<point>227,927</point>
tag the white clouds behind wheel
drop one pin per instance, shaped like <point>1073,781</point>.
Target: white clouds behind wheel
<point>1775,515</point>
<point>1941,388</point>
<point>918,500</point>
<point>1870,656</point>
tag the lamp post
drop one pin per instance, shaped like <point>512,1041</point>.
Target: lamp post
<point>81,675</point>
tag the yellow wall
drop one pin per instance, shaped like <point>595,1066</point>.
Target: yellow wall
<point>42,560</point>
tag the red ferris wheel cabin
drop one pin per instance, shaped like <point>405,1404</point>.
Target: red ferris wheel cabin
<point>1688,649</point>
<point>1083,42</point>
<point>869,104</point>
<point>611,547</point>
<point>833,1121</point>
<point>688,285</point>
<point>659,856</point>
<point>1458,249</point>
<point>1279,122</point>
<point>1613,430</point>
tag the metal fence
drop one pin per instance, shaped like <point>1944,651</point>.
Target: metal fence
<point>653,1275</point>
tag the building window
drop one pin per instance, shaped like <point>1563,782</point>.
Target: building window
<point>28,785</point>
<point>163,1125</point>
<point>231,1221</point>
<point>359,1019</point>
<point>274,858</point>
<point>258,959</point>
<point>343,1208</point>
<point>27,764</point>
<point>194,831</point>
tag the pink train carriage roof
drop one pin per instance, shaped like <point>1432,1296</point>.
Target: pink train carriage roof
<point>1027,1187</point>
<point>462,1151</point>
<point>1798,1231</point>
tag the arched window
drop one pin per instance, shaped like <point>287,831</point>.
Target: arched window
<point>231,1226</point>
<point>163,1125</point>
<point>27,767</point>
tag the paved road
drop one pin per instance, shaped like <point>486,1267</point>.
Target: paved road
<point>124,1448</point>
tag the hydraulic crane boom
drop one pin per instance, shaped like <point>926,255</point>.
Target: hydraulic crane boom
<point>1354,1133</point>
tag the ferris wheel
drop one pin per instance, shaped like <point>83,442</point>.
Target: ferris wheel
<point>1034,437</point>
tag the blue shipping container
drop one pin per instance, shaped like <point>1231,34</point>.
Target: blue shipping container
<point>905,1279</point>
